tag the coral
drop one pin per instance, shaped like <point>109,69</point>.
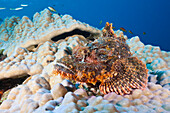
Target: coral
<point>17,66</point>
<point>106,60</point>
<point>154,98</point>
<point>154,58</point>
<point>7,84</point>
<point>81,92</point>
<point>7,27</point>
<point>69,103</point>
<point>160,77</point>
<point>56,88</point>
<point>34,93</point>
<point>44,27</point>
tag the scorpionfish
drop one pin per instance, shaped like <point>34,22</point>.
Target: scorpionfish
<point>108,61</point>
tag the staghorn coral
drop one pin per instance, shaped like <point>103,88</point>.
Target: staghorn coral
<point>108,61</point>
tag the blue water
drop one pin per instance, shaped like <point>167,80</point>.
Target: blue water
<point>150,16</point>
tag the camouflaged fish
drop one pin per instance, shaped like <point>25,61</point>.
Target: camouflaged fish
<point>107,61</point>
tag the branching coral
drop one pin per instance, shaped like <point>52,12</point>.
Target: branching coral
<point>108,61</point>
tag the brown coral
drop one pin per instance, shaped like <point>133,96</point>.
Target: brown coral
<point>106,60</point>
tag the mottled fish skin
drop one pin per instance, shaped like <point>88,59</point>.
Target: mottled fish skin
<point>107,61</point>
<point>127,78</point>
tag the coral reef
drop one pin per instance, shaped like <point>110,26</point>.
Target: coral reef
<point>44,91</point>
